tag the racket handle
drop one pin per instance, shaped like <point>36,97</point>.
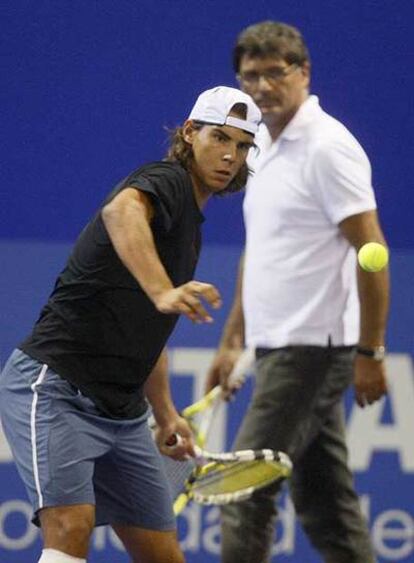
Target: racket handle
<point>174,440</point>
<point>180,503</point>
<point>241,367</point>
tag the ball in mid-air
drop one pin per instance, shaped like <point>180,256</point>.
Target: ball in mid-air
<point>373,257</point>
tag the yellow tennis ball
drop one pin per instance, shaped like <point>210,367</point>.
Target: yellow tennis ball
<point>373,257</point>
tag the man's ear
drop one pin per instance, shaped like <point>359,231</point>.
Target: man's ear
<point>189,131</point>
<point>305,70</point>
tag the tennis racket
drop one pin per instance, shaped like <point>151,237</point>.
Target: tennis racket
<point>222,478</point>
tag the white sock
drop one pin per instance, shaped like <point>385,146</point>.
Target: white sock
<point>55,556</point>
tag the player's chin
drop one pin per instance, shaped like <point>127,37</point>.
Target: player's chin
<point>217,185</point>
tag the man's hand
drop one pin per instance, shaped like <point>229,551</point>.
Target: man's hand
<point>184,448</point>
<point>220,370</point>
<point>369,380</point>
<point>187,300</point>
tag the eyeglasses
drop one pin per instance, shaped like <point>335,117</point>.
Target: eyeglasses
<point>271,75</point>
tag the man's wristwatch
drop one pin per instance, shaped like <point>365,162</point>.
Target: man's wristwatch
<point>376,353</point>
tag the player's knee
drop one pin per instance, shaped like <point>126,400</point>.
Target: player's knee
<point>63,525</point>
<point>76,532</point>
<point>79,527</point>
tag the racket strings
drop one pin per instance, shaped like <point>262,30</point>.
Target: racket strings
<point>232,477</point>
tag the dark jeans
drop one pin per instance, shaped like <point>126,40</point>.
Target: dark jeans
<point>297,408</point>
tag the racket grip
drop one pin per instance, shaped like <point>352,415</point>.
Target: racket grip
<point>174,440</point>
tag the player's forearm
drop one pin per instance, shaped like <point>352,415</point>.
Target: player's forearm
<point>233,333</point>
<point>373,291</point>
<point>128,227</point>
<point>157,391</point>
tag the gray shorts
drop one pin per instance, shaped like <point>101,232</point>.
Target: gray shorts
<point>68,453</point>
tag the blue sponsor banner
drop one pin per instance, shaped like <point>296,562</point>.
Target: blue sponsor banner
<point>380,437</point>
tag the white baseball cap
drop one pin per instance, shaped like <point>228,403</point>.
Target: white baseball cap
<point>213,106</point>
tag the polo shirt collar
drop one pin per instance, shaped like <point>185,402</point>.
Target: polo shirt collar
<point>305,115</point>
<point>307,112</point>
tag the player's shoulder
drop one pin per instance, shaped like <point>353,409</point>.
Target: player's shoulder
<point>162,169</point>
<point>161,177</point>
<point>155,177</point>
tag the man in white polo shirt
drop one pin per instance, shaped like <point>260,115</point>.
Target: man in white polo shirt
<point>308,207</point>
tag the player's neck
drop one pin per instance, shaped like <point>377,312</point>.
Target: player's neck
<point>201,192</point>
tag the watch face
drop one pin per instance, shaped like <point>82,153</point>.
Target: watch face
<point>377,353</point>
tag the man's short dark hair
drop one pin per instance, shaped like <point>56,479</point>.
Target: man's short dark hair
<point>270,38</point>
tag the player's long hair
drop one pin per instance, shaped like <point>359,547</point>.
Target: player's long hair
<point>181,151</point>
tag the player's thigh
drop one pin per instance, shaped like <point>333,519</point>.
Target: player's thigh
<point>150,546</point>
<point>130,483</point>
<point>50,434</point>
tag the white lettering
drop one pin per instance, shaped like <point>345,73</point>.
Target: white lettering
<point>401,533</point>
<point>104,536</point>
<point>192,517</point>
<point>115,541</point>
<point>392,528</point>
<point>365,504</point>
<point>192,361</point>
<point>98,539</point>
<point>30,532</point>
<point>212,533</point>
<point>392,531</point>
<point>285,543</point>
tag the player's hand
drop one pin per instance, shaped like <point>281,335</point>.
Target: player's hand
<point>220,370</point>
<point>164,434</point>
<point>188,300</point>
<point>369,380</point>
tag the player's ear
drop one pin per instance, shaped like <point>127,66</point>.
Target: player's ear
<point>189,131</point>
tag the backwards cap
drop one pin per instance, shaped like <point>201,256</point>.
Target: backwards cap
<point>213,106</point>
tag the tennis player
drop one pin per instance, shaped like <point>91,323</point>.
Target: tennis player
<point>74,394</point>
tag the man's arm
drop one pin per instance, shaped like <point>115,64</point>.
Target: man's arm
<point>169,422</point>
<point>127,219</point>
<point>232,340</point>
<point>373,289</point>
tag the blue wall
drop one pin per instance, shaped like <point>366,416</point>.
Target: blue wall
<point>88,87</point>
